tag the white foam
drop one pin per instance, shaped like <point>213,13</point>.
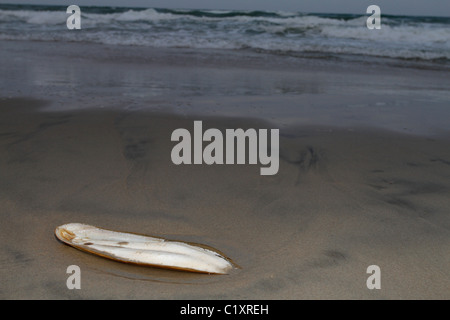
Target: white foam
<point>34,17</point>
<point>284,32</point>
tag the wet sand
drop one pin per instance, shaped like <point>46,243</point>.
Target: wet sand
<point>364,174</point>
<point>342,200</point>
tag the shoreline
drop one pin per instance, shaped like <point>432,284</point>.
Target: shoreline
<point>283,90</point>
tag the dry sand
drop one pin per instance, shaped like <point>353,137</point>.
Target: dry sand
<point>342,200</point>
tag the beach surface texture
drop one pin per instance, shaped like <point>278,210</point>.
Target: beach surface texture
<point>363,179</point>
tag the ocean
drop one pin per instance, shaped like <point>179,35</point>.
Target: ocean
<point>283,33</point>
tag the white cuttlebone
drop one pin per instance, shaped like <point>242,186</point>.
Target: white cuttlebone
<point>145,250</point>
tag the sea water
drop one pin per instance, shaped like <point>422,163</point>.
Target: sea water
<point>285,33</point>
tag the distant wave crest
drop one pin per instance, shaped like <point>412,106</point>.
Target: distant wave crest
<point>425,38</point>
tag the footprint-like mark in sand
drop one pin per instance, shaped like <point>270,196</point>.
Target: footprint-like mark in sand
<point>136,150</point>
<point>306,160</point>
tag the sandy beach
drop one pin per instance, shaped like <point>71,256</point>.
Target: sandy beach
<point>364,174</point>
